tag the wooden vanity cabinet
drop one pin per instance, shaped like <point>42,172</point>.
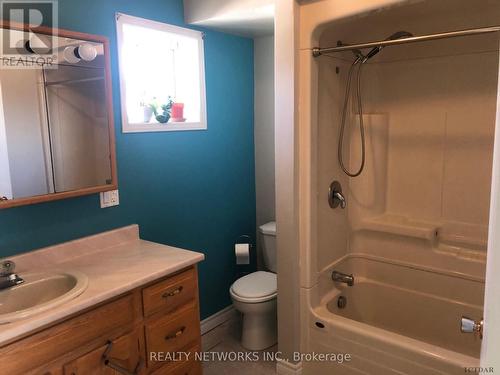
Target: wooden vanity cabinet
<point>122,355</point>
<point>118,336</point>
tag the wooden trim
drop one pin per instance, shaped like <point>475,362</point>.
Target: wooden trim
<point>111,125</point>
<point>56,196</point>
<point>49,31</point>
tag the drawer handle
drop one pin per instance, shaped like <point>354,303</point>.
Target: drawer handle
<point>175,334</point>
<point>110,362</point>
<point>174,292</point>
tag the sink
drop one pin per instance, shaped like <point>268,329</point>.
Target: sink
<point>40,292</point>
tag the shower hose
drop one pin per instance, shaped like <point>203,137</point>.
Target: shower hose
<point>359,63</point>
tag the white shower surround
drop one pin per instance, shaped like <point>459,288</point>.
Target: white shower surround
<point>313,17</point>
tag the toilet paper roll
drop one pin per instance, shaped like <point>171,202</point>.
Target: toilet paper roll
<point>242,252</point>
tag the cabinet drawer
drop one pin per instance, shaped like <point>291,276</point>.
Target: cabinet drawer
<point>170,294</point>
<point>69,335</point>
<point>173,333</point>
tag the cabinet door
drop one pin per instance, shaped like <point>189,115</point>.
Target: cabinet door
<point>121,356</point>
<point>45,371</point>
<point>48,345</point>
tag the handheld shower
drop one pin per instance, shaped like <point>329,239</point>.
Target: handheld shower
<point>359,61</point>
<point>396,35</point>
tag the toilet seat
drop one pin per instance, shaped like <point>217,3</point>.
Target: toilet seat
<point>256,287</point>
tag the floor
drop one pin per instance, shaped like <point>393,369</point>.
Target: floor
<point>228,357</point>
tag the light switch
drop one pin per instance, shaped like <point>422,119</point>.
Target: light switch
<point>110,198</point>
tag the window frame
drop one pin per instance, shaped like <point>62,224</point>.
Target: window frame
<point>127,127</point>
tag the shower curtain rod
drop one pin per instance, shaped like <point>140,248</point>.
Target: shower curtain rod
<point>317,51</point>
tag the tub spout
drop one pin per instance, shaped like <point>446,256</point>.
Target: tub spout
<point>343,278</point>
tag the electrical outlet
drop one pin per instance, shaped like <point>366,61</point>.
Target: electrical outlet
<point>110,198</point>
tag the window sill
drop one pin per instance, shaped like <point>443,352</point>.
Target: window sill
<point>168,127</point>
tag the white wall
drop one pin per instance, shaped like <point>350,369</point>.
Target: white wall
<point>287,182</point>
<point>264,128</point>
<point>491,339</point>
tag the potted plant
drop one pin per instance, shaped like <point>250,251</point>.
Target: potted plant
<point>164,115</point>
<point>148,109</point>
<point>148,112</point>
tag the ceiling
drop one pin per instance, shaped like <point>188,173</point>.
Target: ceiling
<point>250,18</point>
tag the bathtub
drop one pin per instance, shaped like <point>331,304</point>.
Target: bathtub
<point>398,319</point>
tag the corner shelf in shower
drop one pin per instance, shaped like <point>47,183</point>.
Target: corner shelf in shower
<point>465,235</point>
<point>402,226</point>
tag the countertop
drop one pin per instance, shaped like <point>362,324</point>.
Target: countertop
<point>115,262</point>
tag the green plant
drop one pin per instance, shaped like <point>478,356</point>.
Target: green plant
<point>154,108</point>
<point>166,109</point>
<point>153,104</point>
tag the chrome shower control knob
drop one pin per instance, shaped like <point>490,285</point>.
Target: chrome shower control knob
<point>335,196</point>
<point>468,325</point>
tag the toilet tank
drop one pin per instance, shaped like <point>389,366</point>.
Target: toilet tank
<point>268,233</point>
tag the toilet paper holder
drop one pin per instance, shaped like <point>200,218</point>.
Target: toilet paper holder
<point>245,237</point>
<point>243,255</point>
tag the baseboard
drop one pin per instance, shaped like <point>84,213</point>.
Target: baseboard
<point>215,320</point>
<point>288,368</point>
<point>217,326</point>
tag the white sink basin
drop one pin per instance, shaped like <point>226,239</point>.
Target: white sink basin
<point>40,292</point>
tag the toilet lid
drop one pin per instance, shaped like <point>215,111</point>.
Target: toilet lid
<point>256,285</point>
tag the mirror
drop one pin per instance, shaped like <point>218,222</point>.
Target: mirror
<point>56,124</point>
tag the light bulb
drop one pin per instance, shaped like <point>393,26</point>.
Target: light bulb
<point>86,52</point>
<point>70,55</point>
<point>74,54</point>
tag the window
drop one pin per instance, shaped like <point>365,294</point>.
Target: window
<point>162,76</point>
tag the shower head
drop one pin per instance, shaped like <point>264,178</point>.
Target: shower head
<point>396,35</point>
<point>359,56</point>
<point>399,35</point>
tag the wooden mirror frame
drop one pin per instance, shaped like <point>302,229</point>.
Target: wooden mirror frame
<point>111,127</point>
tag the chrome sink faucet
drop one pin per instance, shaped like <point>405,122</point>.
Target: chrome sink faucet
<point>8,278</point>
<point>343,278</point>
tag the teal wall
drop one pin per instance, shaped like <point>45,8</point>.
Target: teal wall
<point>194,189</point>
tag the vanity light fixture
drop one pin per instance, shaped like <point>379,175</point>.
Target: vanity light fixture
<point>74,54</point>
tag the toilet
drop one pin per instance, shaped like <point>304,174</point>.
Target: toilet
<point>255,296</point>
